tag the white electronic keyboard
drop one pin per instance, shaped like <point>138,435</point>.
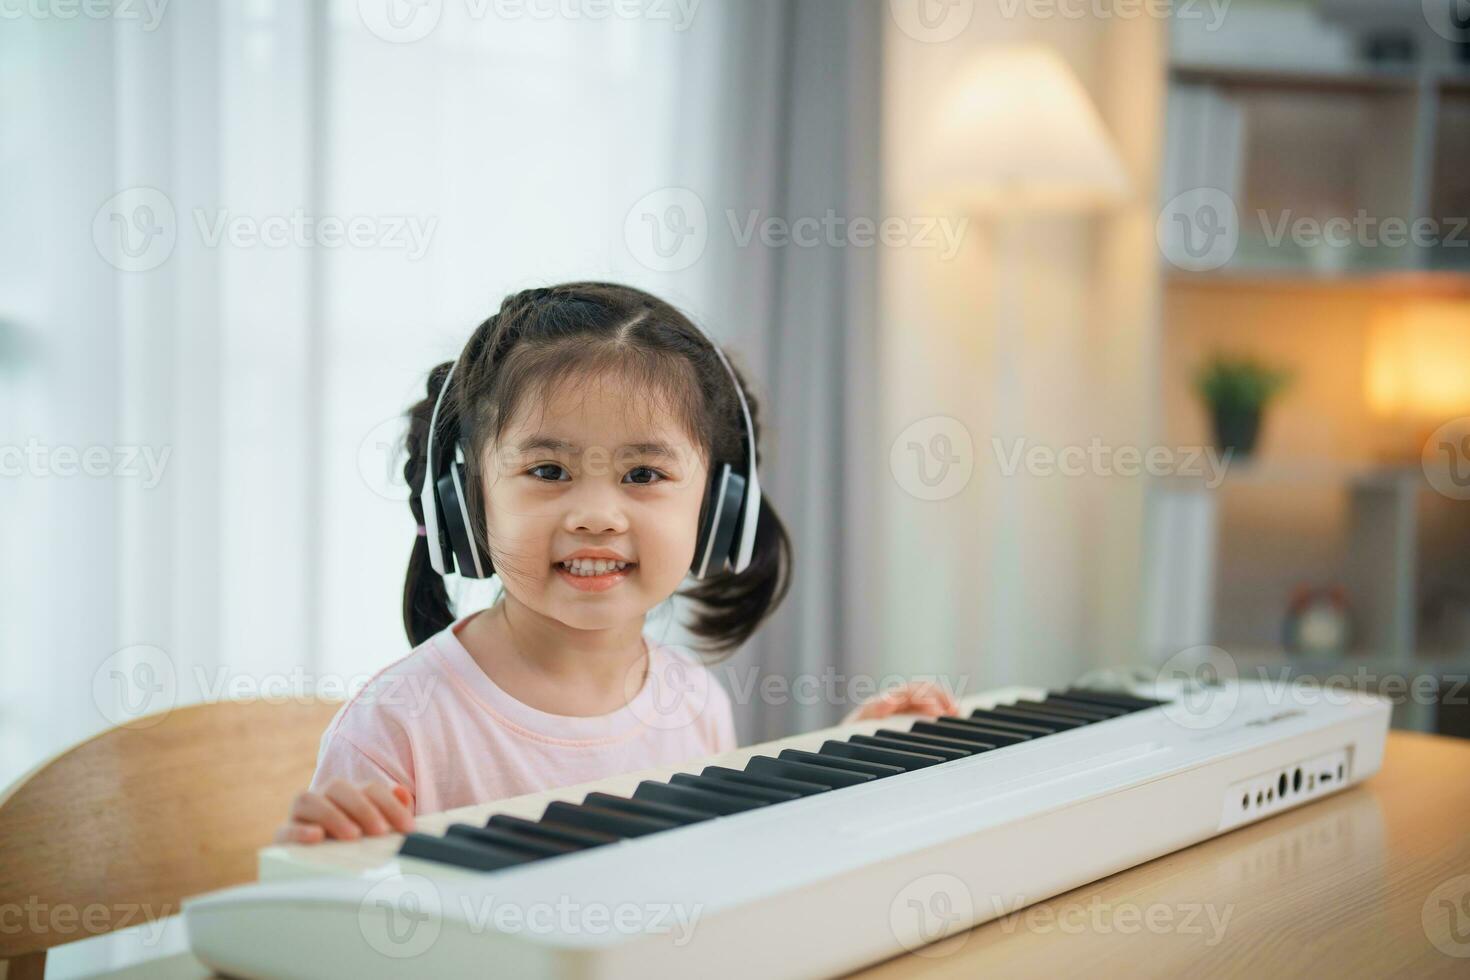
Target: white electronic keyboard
<point>804,857</point>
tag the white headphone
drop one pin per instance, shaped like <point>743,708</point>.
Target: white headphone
<point>726,532</point>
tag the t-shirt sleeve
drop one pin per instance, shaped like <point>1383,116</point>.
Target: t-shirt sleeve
<point>360,751</point>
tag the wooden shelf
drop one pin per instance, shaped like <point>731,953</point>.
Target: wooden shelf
<point>1371,80</point>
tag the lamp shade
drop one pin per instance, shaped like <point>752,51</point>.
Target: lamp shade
<point>1017,132</point>
<point>1417,357</point>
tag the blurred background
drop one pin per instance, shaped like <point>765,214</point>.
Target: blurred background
<point>1089,334</point>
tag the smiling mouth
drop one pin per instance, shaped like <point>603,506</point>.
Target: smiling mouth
<point>593,567</point>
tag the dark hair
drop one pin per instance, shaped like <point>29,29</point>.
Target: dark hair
<point>542,336</point>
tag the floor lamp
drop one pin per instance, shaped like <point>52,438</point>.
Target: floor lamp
<point>1015,135</point>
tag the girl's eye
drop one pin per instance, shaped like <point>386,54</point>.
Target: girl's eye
<point>643,475</point>
<point>550,472</point>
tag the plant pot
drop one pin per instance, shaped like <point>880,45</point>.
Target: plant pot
<point>1236,428</point>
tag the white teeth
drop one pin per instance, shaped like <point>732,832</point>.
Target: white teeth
<point>593,566</point>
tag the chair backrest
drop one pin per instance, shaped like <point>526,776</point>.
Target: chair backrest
<point>117,830</point>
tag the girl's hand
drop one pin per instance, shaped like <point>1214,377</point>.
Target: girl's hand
<point>346,811</point>
<point>915,697</point>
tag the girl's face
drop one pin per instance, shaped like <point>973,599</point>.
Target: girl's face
<point>592,503</point>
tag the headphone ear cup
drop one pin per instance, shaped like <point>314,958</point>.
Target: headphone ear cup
<point>720,521</point>
<point>467,558</point>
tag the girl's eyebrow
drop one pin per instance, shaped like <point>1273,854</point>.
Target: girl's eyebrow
<point>563,446</point>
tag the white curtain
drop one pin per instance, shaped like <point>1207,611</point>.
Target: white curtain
<point>316,206</point>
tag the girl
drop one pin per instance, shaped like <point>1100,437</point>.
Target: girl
<point>590,417</point>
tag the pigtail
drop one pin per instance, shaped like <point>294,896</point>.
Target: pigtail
<point>426,609</point>
<point>729,607</point>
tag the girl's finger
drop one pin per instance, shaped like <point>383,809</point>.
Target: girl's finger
<point>316,808</point>
<point>357,806</point>
<point>390,806</point>
<point>297,832</point>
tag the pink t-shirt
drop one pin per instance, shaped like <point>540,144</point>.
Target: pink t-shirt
<point>435,722</point>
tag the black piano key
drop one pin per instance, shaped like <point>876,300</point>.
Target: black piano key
<point>513,839</point>
<point>970,735</point>
<point>700,798</point>
<point>838,762</point>
<point>1111,697</point>
<point>924,738</point>
<point>765,765</point>
<point>798,786</point>
<point>1000,736</point>
<point>739,789</point>
<point>1022,713</point>
<point>461,852</point>
<point>1112,711</point>
<point>907,761</point>
<point>1065,710</point>
<point>1032,727</point>
<point>648,808</point>
<point>944,752</point>
<point>552,831</point>
<point>605,820</point>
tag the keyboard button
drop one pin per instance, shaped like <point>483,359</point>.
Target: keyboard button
<point>907,761</point>
<point>604,820</point>
<point>838,762</point>
<point>1067,711</point>
<point>647,808</point>
<point>1021,714</point>
<point>511,838</point>
<point>1032,727</point>
<point>1112,711</point>
<point>1111,697</point>
<point>695,798</point>
<point>770,782</point>
<point>552,831</point>
<point>970,735</point>
<point>924,738</point>
<point>765,765</point>
<point>461,852</point>
<point>945,753</point>
<point>1000,736</point>
<point>739,789</point>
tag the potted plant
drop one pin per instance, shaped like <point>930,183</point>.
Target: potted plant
<point>1235,390</point>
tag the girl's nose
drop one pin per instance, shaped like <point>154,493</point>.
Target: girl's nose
<point>596,513</point>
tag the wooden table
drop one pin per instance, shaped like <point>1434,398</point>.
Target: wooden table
<point>1374,881</point>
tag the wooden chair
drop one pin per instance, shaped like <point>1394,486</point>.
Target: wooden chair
<point>117,830</point>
